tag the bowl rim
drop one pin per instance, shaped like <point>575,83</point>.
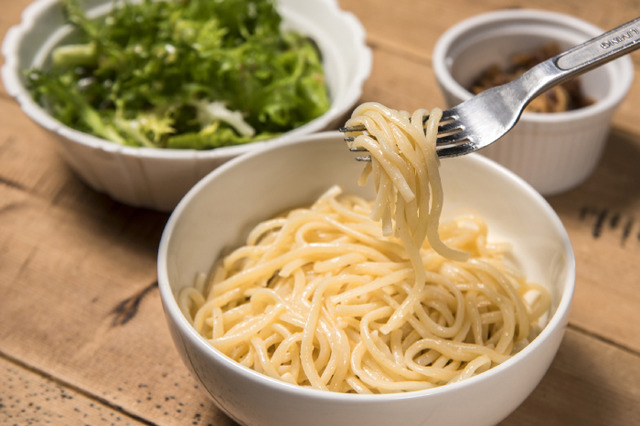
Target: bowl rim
<point>557,321</point>
<point>11,77</point>
<point>621,81</point>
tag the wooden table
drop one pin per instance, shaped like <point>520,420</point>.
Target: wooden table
<point>83,339</point>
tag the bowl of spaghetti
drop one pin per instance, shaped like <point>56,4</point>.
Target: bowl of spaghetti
<point>304,287</point>
<point>560,137</point>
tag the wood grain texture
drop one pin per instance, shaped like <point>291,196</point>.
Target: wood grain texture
<point>29,397</point>
<point>590,382</point>
<point>83,339</point>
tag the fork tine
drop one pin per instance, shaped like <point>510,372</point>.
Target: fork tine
<point>452,139</point>
<point>361,128</point>
<point>447,146</point>
<point>443,128</point>
<point>449,114</point>
<point>450,127</point>
<point>456,150</point>
<point>357,149</point>
<point>349,129</point>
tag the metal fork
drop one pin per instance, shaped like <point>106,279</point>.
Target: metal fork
<point>486,117</point>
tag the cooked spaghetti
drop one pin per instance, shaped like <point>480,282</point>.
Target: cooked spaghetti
<point>326,297</point>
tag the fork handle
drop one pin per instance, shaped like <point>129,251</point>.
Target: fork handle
<point>603,48</point>
<point>584,57</point>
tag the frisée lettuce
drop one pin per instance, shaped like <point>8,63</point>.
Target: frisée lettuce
<point>195,74</point>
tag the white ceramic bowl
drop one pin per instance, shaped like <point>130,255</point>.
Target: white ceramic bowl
<point>554,152</point>
<point>219,211</point>
<point>157,178</point>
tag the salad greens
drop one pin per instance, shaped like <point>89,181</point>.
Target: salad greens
<point>196,74</point>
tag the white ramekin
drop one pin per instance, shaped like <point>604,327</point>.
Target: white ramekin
<point>554,152</point>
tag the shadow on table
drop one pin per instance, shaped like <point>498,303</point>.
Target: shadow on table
<point>578,389</point>
<point>614,182</point>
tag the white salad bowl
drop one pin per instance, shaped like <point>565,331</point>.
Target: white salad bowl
<point>158,178</point>
<point>218,212</point>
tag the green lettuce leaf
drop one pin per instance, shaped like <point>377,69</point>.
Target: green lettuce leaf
<point>141,75</point>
